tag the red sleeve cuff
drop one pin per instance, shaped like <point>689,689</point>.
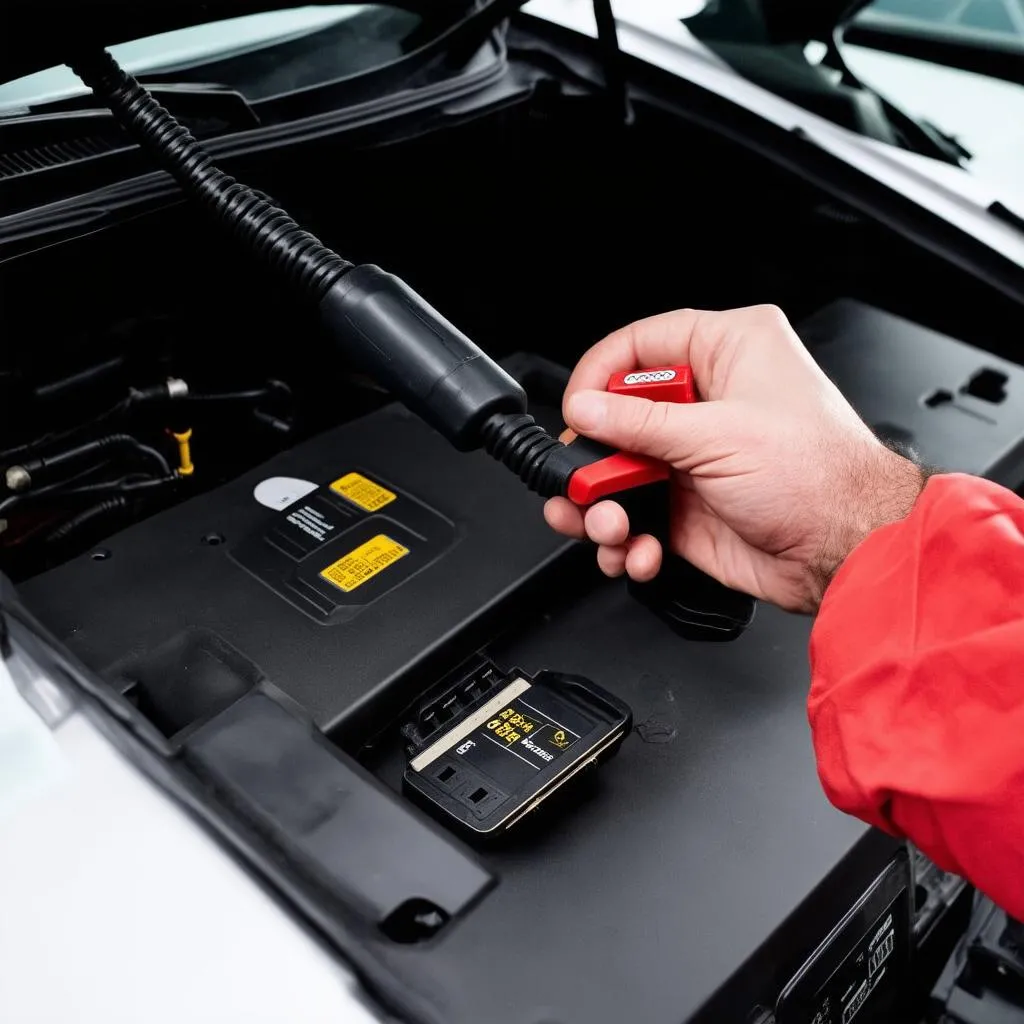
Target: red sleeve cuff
<point>917,693</point>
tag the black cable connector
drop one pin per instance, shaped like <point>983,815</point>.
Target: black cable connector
<point>26,475</point>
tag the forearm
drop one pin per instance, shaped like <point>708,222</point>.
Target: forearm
<point>917,696</point>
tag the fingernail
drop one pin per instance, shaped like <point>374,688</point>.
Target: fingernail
<point>587,410</point>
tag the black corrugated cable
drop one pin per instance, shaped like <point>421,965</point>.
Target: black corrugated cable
<point>296,255</point>
<point>381,325</point>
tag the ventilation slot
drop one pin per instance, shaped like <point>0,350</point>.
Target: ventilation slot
<point>39,158</point>
<point>988,385</point>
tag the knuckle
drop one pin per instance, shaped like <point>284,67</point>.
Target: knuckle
<point>771,315</point>
<point>630,335</point>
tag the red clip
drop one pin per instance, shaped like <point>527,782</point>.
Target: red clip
<point>657,384</point>
<point>624,471</point>
<point>619,472</point>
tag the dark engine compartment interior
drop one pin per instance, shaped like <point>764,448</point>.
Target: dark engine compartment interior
<point>702,870</point>
<point>537,228</point>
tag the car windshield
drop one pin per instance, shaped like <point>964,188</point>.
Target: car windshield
<point>941,78</point>
<point>260,55</point>
<point>984,113</point>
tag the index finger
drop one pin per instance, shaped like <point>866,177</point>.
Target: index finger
<point>655,341</point>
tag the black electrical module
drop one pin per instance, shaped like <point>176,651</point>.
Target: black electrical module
<point>493,747</point>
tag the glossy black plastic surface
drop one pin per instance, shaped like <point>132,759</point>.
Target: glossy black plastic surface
<point>329,817</point>
<point>689,881</point>
<point>958,407</point>
<point>698,872</point>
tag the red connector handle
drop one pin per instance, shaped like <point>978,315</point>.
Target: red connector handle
<point>622,471</point>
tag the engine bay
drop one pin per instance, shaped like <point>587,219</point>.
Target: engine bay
<point>239,613</point>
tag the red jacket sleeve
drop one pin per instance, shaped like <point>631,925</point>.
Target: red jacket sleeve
<point>917,693</point>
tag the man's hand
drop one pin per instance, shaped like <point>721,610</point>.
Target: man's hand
<point>776,478</point>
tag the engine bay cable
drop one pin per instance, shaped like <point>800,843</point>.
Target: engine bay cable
<point>82,519</point>
<point>380,324</point>
<point>26,475</point>
<point>294,254</point>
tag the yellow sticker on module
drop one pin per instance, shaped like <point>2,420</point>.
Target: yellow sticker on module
<point>361,565</point>
<point>363,492</point>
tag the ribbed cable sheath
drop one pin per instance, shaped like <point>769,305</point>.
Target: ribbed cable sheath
<point>293,253</point>
<point>526,448</point>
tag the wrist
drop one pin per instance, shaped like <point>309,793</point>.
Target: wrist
<point>881,489</point>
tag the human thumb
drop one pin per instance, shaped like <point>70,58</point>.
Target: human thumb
<point>670,432</point>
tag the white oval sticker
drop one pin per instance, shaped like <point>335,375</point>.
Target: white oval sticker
<point>278,492</point>
<point>649,377</point>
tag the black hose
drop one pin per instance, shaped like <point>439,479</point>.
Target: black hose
<point>154,456</point>
<point>125,485</point>
<point>41,492</point>
<point>294,254</point>
<point>402,341</point>
<point>86,516</point>
<point>272,389</point>
<point>11,455</point>
<point>59,388</point>
<point>37,469</point>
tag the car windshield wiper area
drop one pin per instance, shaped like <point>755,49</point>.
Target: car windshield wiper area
<point>67,146</point>
<point>191,99</point>
<point>770,48</point>
<point>67,136</point>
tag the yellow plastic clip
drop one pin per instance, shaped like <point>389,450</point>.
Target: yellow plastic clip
<point>185,467</point>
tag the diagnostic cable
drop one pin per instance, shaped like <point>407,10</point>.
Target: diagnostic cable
<point>390,333</point>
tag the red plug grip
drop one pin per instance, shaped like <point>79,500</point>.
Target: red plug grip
<point>615,473</point>
<point>623,471</point>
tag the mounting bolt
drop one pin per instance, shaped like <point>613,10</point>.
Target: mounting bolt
<point>18,478</point>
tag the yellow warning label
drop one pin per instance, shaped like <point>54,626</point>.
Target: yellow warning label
<point>363,492</point>
<point>364,563</point>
